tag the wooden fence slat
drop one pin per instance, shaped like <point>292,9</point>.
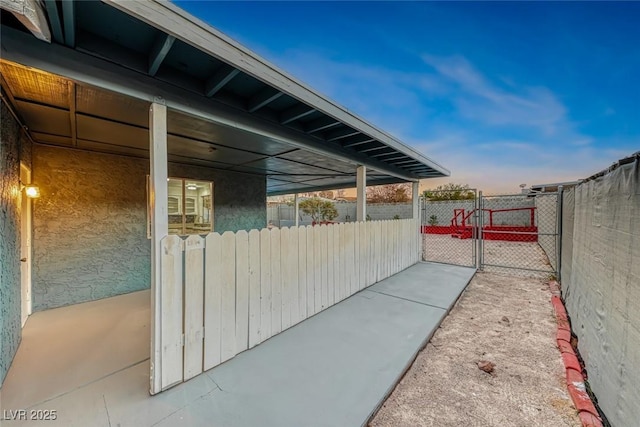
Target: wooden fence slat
<point>356,257</point>
<point>310,270</point>
<point>213,301</point>
<point>265,284</point>
<point>418,247</point>
<point>330,267</point>
<point>385,254</point>
<point>302,272</point>
<point>379,247</point>
<point>369,246</point>
<point>394,248</point>
<point>324,268</point>
<point>242,291</point>
<point>344,276</point>
<point>171,317</point>
<point>349,261</point>
<point>355,281</point>
<point>228,296</point>
<point>254,288</point>
<point>340,290</point>
<point>410,242</point>
<point>193,305</point>
<point>335,251</point>
<point>317,261</point>
<point>364,251</point>
<point>403,247</point>
<point>276,283</point>
<point>293,256</point>
<point>285,273</point>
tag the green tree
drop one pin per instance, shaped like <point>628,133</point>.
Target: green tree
<point>390,193</point>
<point>450,192</point>
<point>318,209</point>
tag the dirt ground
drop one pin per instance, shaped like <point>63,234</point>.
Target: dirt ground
<point>444,248</point>
<point>502,319</point>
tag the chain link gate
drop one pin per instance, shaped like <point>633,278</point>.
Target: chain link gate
<point>516,234</point>
<point>520,234</point>
<point>450,227</point>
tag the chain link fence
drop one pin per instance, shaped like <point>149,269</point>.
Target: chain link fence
<point>512,234</point>
<point>449,228</point>
<point>519,234</point>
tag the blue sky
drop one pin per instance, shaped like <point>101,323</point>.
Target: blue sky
<point>500,93</point>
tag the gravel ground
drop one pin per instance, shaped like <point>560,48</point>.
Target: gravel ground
<point>506,320</point>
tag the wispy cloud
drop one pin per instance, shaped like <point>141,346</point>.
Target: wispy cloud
<point>492,132</point>
<point>480,100</point>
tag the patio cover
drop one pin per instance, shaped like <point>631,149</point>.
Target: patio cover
<point>228,108</point>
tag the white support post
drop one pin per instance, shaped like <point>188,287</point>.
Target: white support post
<point>159,229</point>
<point>415,198</point>
<point>361,193</point>
<point>296,210</point>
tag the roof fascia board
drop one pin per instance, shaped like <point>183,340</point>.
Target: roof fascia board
<point>310,188</point>
<point>57,59</point>
<point>169,18</point>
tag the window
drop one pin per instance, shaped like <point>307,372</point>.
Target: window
<point>189,206</point>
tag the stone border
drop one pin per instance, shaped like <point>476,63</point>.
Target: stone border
<point>575,376</point>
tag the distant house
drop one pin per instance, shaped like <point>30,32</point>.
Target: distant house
<point>550,188</point>
<point>136,121</point>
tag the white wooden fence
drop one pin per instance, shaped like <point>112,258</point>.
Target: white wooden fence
<point>223,294</point>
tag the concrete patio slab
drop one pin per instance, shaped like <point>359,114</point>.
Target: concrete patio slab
<point>335,368</point>
<point>431,283</point>
<point>68,347</point>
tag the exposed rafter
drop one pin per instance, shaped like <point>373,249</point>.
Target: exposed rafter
<point>405,162</point>
<point>378,148</point>
<point>357,142</point>
<point>384,154</point>
<point>321,124</point>
<point>340,134</point>
<point>294,113</point>
<point>263,98</point>
<point>159,52</point>
<point>220,79</point>
<point>398,157</point>
<point>69,19</point>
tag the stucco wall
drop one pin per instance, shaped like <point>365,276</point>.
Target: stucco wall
<point>601,286</point>
<point>239,200</point>
<point>90,237</point>
<point>12,142</point>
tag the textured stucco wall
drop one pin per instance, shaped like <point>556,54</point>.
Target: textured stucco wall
<point>239,200</point>
<point>89,237</point>
<point>602,288</point>
<point>90,223</point>
<point>12,143</point>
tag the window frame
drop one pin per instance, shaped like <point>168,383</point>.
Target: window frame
<point>183,206</point>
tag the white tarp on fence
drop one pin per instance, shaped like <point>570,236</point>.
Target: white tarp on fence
<point>601,287</point>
